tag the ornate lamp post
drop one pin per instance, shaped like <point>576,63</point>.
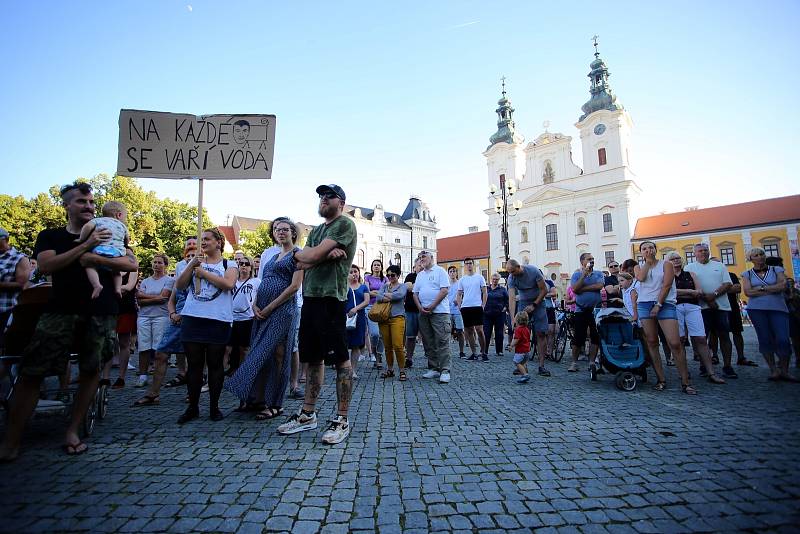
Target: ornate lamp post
<point>502,198</point>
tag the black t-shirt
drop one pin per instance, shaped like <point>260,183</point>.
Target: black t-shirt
<point>732,298</point>
<point>611,280</point>
<point>71,289</point>
<point>685,281</point>
<point>410,305</point>
<point>128,302</point>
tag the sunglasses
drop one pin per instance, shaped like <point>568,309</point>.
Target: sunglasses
<point>283,230</point>
<point>328,196</point>
<point>244,263</point>
<point>391,275</point>
<point>613,266</point>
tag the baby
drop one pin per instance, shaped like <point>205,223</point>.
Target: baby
<point>114,217</point>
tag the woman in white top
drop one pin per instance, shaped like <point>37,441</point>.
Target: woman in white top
<point>243,297</point>
<point>656,299</point>
<point>206,321</point>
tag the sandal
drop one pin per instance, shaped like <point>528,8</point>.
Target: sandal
<point>179,380</point>
<point>746,363</point>
<point>403,376</point>
<point>714,379</point>
<point>660,386</point>
<point>269,413</point>
<point>389,373</point>
<point>147,400</point>
<point>688,389</point>
<point>671,362</point>
<point>247,407</point>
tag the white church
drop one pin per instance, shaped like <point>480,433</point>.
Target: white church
<point>559,210</point>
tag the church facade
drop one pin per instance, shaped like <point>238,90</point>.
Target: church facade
<point>557,209</point>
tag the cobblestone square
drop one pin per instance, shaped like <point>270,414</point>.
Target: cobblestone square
<point>479,454</point>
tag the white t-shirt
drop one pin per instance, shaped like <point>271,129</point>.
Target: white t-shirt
<point>213,302</point>
<point>267,255</point>
<point>428,285</point>
<point>151,286</point>
<point>711,275</point>
<point>243,298</point>
<point>471,285</point>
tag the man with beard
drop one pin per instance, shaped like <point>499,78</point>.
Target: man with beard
<point>326,259</point>
<point>71,316</point>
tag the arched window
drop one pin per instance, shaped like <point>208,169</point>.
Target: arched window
<point>398,260</point>
<point>523,234</point>
<point>549,174</point>
<point>360,258</point>
<point>581,226</point>
<point>380,257</point>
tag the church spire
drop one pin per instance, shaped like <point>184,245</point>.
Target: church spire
<point>505,123</point>
<point>601,95</point>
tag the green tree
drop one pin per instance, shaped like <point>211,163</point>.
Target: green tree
<point>253,242</point>
<point>24,219</point>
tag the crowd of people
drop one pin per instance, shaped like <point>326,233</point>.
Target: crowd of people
<point>259,327</point>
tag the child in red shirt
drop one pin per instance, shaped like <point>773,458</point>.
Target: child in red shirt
<point>521,344</point>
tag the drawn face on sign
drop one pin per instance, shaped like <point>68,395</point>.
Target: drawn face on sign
<point>241,131</point>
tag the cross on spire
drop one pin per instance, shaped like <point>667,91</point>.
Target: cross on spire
<point>594,39</point>
<point>503,79</point>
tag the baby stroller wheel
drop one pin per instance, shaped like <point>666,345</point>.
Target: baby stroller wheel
<point>626,381</point>
<point>593,372</point>
<point>102,401</point>
<point>91,417</point>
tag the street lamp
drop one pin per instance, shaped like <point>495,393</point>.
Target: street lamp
<point>502,198</point>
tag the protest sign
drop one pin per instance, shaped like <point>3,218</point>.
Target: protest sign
<point>154,144</point>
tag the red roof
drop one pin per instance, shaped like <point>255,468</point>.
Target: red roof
<point>755,213</point>
<point>458,247</point>
<point>229,234</point>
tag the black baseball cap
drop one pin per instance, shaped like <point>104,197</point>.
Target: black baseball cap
<point>332,188</point>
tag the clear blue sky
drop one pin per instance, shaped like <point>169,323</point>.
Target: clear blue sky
<point>387,99</point>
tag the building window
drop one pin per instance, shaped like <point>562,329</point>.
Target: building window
<point>360,258</point>
<point>601,156</point>
<point>551,234</point>
<point>609,257</point>
<point>726,256</point>
<point>771,250</point>
<point>689,257</point>
<point>523,234</point>
<point>397,240</point>
<point>608,225</point>
<point>425,242</point>
<point>380,257</point>
<point>380,238</point>
<point>640,259</point>
<point>581,226</point>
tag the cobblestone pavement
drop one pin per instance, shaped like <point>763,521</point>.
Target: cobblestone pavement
<point>479,454</point>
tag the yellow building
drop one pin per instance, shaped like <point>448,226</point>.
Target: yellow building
<point>730,232</point>
<point>453,250</point>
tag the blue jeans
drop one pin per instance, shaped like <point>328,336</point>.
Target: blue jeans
<point>496,322</point>
<point>772,329</point>
<point>374,334</point>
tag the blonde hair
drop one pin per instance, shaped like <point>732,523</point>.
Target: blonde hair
<point>112,208</point>
<point>673,255</point>
<point>754,250</point>
<point>218,236</point>
<point>521,319</point>
<point>625,276</point>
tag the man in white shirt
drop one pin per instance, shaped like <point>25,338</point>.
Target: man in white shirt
<point>430,294</point>
<point>714,283</point>
<point>471,300</point>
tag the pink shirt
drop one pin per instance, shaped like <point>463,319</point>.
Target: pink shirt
<point>570,296</point>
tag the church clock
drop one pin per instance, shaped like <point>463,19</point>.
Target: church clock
<point>599,129</point>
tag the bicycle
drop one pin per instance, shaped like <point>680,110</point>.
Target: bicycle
<point>565,333</point>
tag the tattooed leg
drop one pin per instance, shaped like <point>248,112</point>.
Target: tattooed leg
<point>344,386</point>
<point>316,374</point>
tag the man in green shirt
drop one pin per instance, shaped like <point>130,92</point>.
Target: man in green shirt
<point>326,259</point>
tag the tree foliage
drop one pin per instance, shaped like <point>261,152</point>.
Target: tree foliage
<point>253,242</point>
<point>155,225</point>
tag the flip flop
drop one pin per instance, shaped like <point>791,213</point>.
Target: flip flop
<point>147,400</point>
<point>269,413</point>
<point>747,363</point>
<point>75,449</point>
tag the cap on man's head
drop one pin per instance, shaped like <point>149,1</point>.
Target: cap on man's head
<point>3,233</point>
<point>332,188</point>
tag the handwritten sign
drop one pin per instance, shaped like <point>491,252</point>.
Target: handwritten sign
<point>153,144</point>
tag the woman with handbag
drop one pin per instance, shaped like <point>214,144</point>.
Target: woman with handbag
<point>392,295</point>
<point>374,281</point>
<point>356,322</point>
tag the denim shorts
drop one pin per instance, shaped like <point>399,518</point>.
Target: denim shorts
<point>667,311</point>
<point>412,324</point>
<point>456,322</point>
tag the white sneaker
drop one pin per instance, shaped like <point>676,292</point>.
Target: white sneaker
<point>372,358</point>
<point>431,374</point>
<point>444,378</point>
<point>337,431</point>
<point>142,382</point>
<point>298,422</point>
<point>361,358</point>
<point>204,389</point>
<point>131,367</point>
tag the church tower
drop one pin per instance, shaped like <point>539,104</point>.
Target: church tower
<point>605,126</point>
